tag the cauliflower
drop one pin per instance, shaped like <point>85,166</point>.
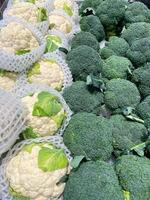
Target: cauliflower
<point>36,170</point>
<point>7,80</point>
<point>66,5</point>
<point>47,72</point>
<point>45,114</point>
<point>16,39</point>
<point>60,23</point>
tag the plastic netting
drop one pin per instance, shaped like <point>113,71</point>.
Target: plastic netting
<point>24,89</point>
<point>4,185</point>
<point>12,120</point>
<point>18,63</point>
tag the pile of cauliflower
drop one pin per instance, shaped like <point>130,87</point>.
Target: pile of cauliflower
<point>45,114</point>
<point>16,39</point>
<point>47,72</point>
<point>35,172</point>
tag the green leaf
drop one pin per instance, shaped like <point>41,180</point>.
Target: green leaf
<point>28,134</point>
<point>31,1</point>
<point>29,147</point>
<point>3,72</point>
<point>47,105</point>
<point>52,159</point>
<point>42,15</point>
<point>52,43</point>
<point>51,26</point>
<point>139,149</point>
<point>22,51</point>
<point>95,82</point>
<point>17,195</point>
<point>128,112</point>
<point>59,119</point>
<point>76,161</point>
<point>126,195</point>
<point>35,69</point>
<point>67,9</point>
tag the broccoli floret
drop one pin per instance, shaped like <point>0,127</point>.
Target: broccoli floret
<point>93,25</point>
<point>85,38</point>
<point>139,52</point>
<point>83,61</point>
<point>93,181</point>
<point>120,94</point>
<point>111,13</point>
<point>141,77</point>
<point>80,98</point>
<point>137,12</point>
<point>136,31</point>
<point>126,134</point>
<point>134,175</point>
<point>89,135</point>
<point>116,67</point>
<point>88,4</point>
<point>106,53</point>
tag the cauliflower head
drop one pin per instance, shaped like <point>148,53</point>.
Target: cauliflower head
<point>66,5</point>
<point>45,114</point>
<point>47,72</point>
<point>34,173</point>
<point>16,39</point>
<point>60,23</point>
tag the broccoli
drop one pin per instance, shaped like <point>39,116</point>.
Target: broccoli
<point>93,181</point>
<point>93,25</point>
<point>111,14</point>
<point>85,38</point>
<point>139,52</point>
<point>83,61</point>
<point>116,67</point>
<point>80,98</point>
<point>141,77</point>
<point>137,12</point>
<point>121,94</point>
<point>136,31</point>
<point>89,135</point>
<point>134,175</point>
<point>126,134</point>
<point>116,46</point>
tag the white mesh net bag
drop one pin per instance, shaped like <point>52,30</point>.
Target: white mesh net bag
<point>18,63</point>
<point>24,89</point>
<point>4,184</point>
<point>12,120</point>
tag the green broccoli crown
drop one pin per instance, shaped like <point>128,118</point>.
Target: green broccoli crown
<point>134,175</point>
<point>120,94</point>
<point>85,38</point>
<point>136,31</point>
<point>93,181</point>
<point>83,61</point>
<point>80,98</point>
<point>89,135</point>
<point>141,77</point>
<point>137,12</point>
<point>126,134</point>
<point>93,25</point>
<point>139,52</point>
<point>116,67</point>
<point>106,52</point>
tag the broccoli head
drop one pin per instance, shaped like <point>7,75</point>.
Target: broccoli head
<point>83,61</point>
<point>90,136</point>
<point>121,94</point>
<point>80,98</point>
<point>137,12</point>
<point>139,52</point>
<point>93,25</point>
<point>85,38</point>
<point>111,13</point>
<point>116,46</point>
<point>136,31</point>
<point>126,134</point>
<point>116,67</point>
<point>134,175</point>
<point>141,77</point>
<point>93,181</point>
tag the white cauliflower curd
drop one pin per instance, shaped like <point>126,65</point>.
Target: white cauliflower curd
<point>66,5</point>
<point>45,114</point>
<point>17,39</point>
<point>47,72</point>
<point>7,80</point>
<point>36,170</point>
<point>60,23</point>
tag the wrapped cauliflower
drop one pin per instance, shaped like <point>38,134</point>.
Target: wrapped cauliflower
<point>35,172</point>
<point>45,114</point>
<point>17,39</point>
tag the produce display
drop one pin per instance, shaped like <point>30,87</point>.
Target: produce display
<point>80,90</point>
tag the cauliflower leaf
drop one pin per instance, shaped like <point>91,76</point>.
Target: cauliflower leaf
<point>52,43</point>
<point>17,195</point>
<point>42,15</point>
<point>34,70</point>
<point>22,51</point>
<point>67,9</point>
<point>28,133</point>
<point>126,195</point>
